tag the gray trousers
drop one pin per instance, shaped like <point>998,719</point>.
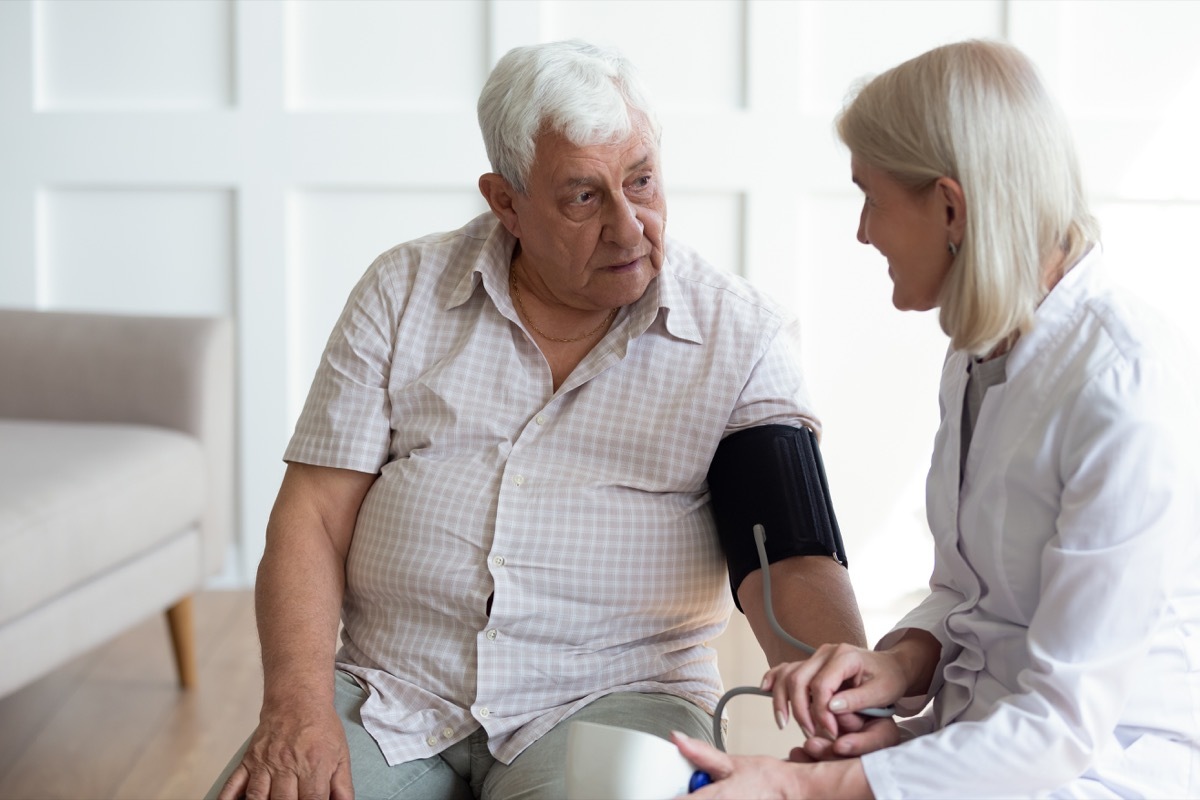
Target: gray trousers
<point>468,771</point>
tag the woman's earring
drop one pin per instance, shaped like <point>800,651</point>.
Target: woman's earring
<point>953,248</point>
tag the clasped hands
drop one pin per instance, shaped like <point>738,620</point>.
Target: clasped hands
<point>821,694</point>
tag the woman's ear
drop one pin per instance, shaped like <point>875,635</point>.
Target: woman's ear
<point>954,203</point>
<point>500,197</point>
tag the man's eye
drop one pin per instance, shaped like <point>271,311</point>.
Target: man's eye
<point>643,182</point>
<point>583,197</point>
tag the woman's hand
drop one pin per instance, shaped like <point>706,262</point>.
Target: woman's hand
<point>764,778</point>
<point>823,691</point>
<point>852,740</point>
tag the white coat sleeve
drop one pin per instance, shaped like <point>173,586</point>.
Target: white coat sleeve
<point>929,616</point>
<point>1128,508</point>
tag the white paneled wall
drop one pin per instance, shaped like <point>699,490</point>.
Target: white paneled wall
<point>96,56</point>
<point>174,245</point>
<point>251,157</point>
<point>374,56</point>
<point>332,236</point>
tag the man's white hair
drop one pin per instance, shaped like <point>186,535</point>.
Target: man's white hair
<point>587,94</point>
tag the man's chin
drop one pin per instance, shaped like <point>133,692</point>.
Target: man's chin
<point>631,285</point>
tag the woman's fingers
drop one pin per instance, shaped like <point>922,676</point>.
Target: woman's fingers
<point>703,755</point>
<point>877,735</point>
<point>818,749</point>
<point>798,756</point>
<point>812,689</point>
<point>822,692</point>
<point>788,683</point>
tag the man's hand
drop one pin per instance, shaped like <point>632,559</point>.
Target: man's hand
<point>852,741</point>
<point>823,691</point>
<point>762,777</point>
<point>299,749</point>
<point>296,752</point>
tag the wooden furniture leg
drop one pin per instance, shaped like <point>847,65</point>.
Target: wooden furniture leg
<point>183,641</point>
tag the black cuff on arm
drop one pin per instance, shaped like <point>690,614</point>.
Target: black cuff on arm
<point>773,476</point>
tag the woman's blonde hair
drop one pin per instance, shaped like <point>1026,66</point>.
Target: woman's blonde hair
<point>977,112</point>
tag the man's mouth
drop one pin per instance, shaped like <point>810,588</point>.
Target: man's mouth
<point>628,265</point>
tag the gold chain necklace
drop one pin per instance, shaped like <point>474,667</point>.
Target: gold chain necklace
<point>512,280</point>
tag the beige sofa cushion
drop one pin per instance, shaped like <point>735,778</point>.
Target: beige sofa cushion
<point>79,499</point>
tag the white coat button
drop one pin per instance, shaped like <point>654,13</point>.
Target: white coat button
<point>498,561</point>
<point>520,479</point>
<point>431,741</point>
<point>540,419</point>
<point>485,712</point>
<point>447,732</point>
<point>492,634</point>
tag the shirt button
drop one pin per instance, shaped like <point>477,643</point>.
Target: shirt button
<point>485,712</point>
<point>447,732</point>
<point>492,634</point>
<point>498,561</point>
<point>431,741</point>
<point>540,419</point>
<point>520,479</point>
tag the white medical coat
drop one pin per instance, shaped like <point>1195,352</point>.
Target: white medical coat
<point>1066,582</point>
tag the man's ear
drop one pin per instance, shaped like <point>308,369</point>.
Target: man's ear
<point>500,195</point>
<point>954,204</point>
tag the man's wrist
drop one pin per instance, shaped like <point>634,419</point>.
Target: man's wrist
<point>285,691</point>
<point>842,779</point>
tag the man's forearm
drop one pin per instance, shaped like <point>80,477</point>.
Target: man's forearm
<point>301,580</point>
<point>297,605</point>
<point>813,601</point>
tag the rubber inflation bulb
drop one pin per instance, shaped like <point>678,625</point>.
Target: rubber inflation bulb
<point>699,779</point>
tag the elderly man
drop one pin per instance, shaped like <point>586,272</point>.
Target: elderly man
<point>500,477</point>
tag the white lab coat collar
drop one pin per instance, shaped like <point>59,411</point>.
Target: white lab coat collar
<point>1054,317</point>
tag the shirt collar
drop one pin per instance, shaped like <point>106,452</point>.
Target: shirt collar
<point>491,263</point>
<point>663,297</point>
<point>1058,311</point>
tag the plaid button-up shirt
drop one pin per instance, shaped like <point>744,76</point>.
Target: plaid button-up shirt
<point>580,516</point>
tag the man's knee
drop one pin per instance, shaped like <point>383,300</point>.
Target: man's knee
<point>658,714</point>
<point>538,773</point>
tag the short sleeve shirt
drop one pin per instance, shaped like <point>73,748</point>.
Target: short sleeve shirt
<point>525,550</point>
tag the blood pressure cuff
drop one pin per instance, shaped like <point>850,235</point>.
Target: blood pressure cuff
<point>772,475</point>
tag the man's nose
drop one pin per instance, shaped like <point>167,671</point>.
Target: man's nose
<point>623,228</point>
<point>862,226</point>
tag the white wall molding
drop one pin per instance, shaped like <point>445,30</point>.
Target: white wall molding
<point>316,134</point>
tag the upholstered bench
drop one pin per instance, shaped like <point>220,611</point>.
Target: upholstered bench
<point>116,479</point>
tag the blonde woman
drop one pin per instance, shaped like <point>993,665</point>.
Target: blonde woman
<point>1060,641</point>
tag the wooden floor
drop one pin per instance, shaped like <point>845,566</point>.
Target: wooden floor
<point>114,724</point>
